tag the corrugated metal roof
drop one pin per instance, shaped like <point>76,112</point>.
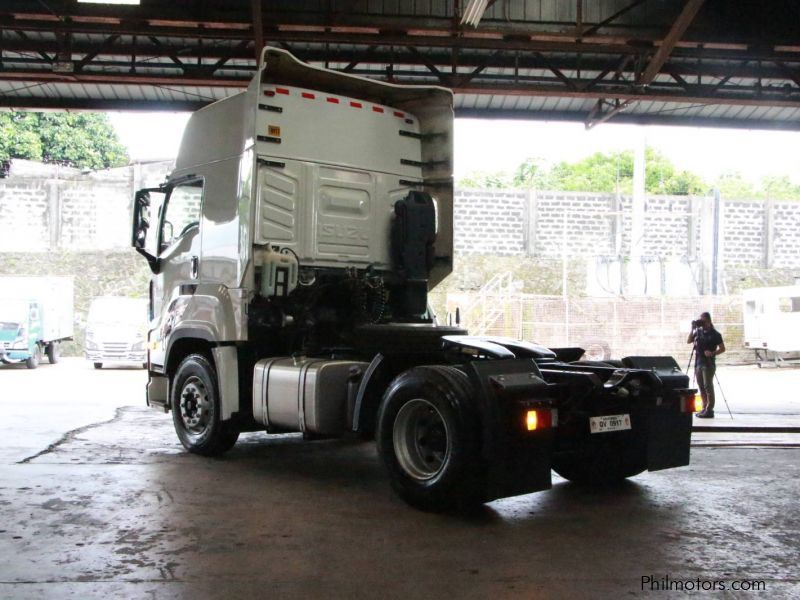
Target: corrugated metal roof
<point>506,106</point>
<point>540,92</point>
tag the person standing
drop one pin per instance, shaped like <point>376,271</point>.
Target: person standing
<point>708,344</point>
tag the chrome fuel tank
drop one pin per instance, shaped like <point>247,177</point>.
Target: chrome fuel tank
<point>303,394</point>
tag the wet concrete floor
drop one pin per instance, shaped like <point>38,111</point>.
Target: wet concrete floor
<point>115,508</point>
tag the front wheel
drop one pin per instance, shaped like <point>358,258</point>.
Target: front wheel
<point>428,437</point>
<point>35,358</point>
<point>52,353</point>
<point>196,408</point>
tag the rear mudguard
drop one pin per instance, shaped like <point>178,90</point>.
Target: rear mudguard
<point>519,461</point>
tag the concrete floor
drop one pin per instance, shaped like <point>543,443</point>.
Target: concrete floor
<point>97,498</point>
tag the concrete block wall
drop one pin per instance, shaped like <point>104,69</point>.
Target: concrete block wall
<point>584,218</point>
<point>49,207</point>
<point>666,224</point>
<point>786,234</point>
<point>756,233</point>
<point>490,222</point>
<point>743,232</point>
<point>24,215</point>
<point>46,207</point>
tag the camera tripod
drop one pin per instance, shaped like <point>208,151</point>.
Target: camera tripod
<point>719,385</point>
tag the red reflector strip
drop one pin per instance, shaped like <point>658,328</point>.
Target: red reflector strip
<point>356,105</point>
<point>269,93</point>
<point>377,109</point>
<point>308,96</point>
<point>333,100</point>
<point>282,91</point>
<point>399,114</point>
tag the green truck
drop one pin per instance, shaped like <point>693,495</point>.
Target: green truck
<point>36,314</point>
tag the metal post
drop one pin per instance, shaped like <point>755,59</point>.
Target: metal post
<point>715,247</point>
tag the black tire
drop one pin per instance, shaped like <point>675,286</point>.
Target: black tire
<point>35,358</point>
<point>604,463</point>
<point>52,353</point>
<point>196,408</point>
<point>428,436</point>
<point>98,365</point>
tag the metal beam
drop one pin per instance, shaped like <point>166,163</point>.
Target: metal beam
<point>679,27</point>
<point>637,119</point>
<point>677,30</point>
<point>533,87</point>
<point>594,28</point>
<point>258,27</point>
<point>564,58</point>
<point>561,116</point>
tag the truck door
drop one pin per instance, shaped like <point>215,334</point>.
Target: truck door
<point>34,326</point>
<point>179,254</point>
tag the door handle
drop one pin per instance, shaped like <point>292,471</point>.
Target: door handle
<point>195,267</point>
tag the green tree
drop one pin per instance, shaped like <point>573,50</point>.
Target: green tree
<point>779,187</point>
<point>82,140</point>
<point>612,172</point>
<point>733,186</point>
<point>481,180</point>
<point>598,172</point>
<point>532,173</point>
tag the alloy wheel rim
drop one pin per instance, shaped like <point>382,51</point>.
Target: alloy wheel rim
<point>421,439</point>
<point>195,406</point>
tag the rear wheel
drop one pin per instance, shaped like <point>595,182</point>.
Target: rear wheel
<point>429,439</point>
<point>35,358</point>
<point>52,353</point>
<point>196,408</point>
<point>98,365</point>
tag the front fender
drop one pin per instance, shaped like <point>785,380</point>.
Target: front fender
<point>212,313</point>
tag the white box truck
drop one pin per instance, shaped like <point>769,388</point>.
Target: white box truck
<point>772,323</point>
<point>292,252</point>
<point>36,314</point>
<point>115,331</point>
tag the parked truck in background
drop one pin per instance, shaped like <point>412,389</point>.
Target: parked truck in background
<point>36,314</point>
<point>115,331</point>
<point>292,251</point>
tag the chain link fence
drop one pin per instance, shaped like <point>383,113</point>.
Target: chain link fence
<point>606,327</point>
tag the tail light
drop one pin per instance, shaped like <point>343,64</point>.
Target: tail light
<point>541,418</point>
<point>691,402</point>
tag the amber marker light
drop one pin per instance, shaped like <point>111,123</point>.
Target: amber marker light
<point>540,418</point>
<point>692,403</point>
<point>532,420</point>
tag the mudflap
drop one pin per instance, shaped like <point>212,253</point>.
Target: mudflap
<point>669,436</point>
<point>518,461</point>
<point>669,430</point>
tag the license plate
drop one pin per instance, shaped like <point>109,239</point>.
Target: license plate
<point>609,423</point>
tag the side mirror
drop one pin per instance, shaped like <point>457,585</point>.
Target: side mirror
<point>142,238</point>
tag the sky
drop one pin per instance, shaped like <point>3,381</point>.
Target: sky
<point>498,145</point>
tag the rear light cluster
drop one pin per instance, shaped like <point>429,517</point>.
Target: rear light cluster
<point>691,402</point>
<point>541,418</point>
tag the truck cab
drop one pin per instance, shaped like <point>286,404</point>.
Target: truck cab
<point>292,251</point>
<point>35,317</point>
<point>115,331</point>
<point>20,330</point>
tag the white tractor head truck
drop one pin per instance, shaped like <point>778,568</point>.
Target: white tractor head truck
<point>292,251</point>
